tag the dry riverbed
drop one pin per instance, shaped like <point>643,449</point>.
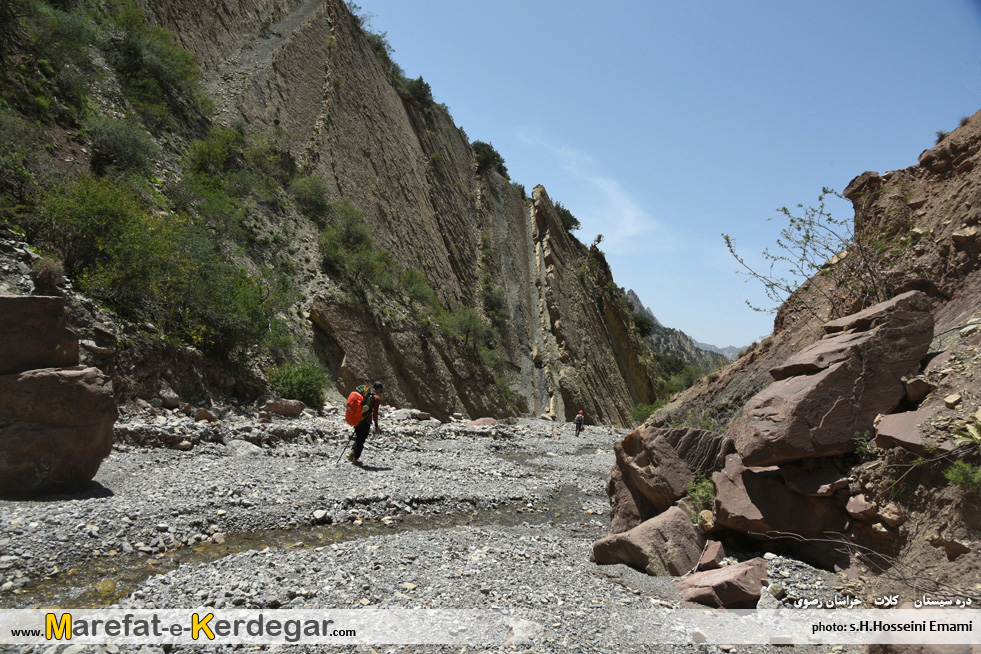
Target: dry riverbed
<point>269,516</point>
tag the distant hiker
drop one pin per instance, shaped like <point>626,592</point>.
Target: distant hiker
<point>362,407</point>
<point>578,422</point>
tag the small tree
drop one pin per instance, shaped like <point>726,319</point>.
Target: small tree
<point>569,221</point>
<point>488,158</point>
<point>823,260</point>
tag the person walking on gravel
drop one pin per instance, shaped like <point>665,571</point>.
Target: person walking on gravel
<point>369,412</point>
<point>578,422</point>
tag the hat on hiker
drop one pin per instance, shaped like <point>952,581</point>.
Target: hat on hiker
<point>580,411</point>
<point>377,386</point>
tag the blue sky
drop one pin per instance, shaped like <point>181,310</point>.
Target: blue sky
<point>662,125</point>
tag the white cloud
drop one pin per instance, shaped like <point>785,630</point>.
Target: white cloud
<point>602,204</point>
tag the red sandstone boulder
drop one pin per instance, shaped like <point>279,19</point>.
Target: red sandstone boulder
<point>903,430</point>
<point>653,468</point>
<point>732,587</point>
<point>34,334</point>
<point>712,556</point>
<point>668,544</point>
<point>55,429</point>
<point>755,500</point>
<point>827,392</point>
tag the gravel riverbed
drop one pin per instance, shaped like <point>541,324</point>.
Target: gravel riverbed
<point>243,514</point>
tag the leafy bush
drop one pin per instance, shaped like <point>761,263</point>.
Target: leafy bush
<point>645,326</point>
<point>220,151</point>
<point>420,90</point>
<point>348,250</point>
<point>21,145</point>
<point>161,79</point>
<point>865,448</point>
<point>64,38</point>
<point>86,218</point>
<point>569,222</point>
<point>47,273</point>
<point>310,193</point>
<point>493,296</point>
<point>701,492</point>
<point>466,325</point>
<point>642,412</point>
<point>489,159</point>
<point>418,289</point>
<point>11,30</point>
<point>964,474</point>
<point>971,434</point>
<point>118,144</point>
<point>225,169</point>
<point>305,381</point>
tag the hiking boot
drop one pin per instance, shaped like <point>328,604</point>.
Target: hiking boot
<point>353,459</point>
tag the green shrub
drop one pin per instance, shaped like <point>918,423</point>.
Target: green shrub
<point>161,79</point>
<point>418,289</point>
<point>221,151</point>
<point>420,90</point>
<point>965,475</point>
<point>310,193</point>
<point>493,296</point>
<point>865,448</point>
<point>118,144</point>
<point>47,273</point>
<point>85,219</point>
<point>21,147</point>
<point>305,381</point>
<point>11,30</point>
<point>466,325</point>
<point>642,412</point>
<point>489,159</point>
<point>701,492</point>
<point>65,38</point>
<point>348,251</point>
<point>569,221</point>
<point>645,326</point>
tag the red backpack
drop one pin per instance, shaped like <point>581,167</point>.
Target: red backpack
<point>356,404</point>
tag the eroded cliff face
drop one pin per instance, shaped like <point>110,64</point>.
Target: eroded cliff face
<point>930,214</point>
<point>304,73</point>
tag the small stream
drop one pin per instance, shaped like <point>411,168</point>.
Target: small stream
<point>101,582</point>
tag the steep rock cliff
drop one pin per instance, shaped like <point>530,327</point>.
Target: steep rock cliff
<point>305,72</point>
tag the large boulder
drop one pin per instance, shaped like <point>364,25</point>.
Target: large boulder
<point>34,334</point>
<point>732,587</point>
<point>756,500</point>
<point>653,468</point>
<point>666,545</point>
<point>829,391</point>
<point>55,429</point>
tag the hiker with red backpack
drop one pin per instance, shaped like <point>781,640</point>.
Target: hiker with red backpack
<point>579,419</point>
<point>362,407</point>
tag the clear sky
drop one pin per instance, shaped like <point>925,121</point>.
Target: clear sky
<point>662,124</point>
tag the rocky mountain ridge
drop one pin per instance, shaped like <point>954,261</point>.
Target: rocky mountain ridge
<point>673,342</point>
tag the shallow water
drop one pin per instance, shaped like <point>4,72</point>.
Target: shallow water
<point>104,581</point>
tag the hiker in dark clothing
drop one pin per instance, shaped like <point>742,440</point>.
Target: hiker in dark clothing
<point>578,422</point>
<point>369,411</point>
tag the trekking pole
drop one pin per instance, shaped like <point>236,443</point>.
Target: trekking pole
<point>343,450</point>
